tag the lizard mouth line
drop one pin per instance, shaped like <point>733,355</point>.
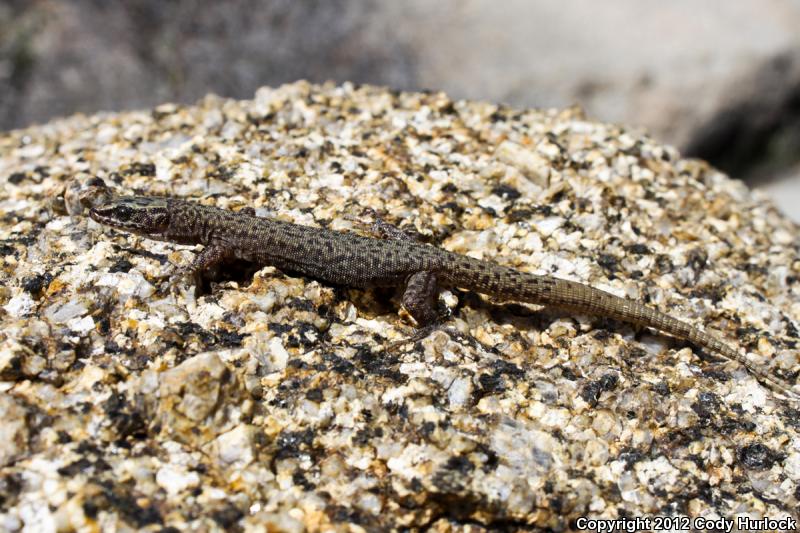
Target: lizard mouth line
<point>97,217</point>
<point>106,220</point>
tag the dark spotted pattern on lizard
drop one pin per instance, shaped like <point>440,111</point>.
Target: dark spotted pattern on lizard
<point>359,261</point>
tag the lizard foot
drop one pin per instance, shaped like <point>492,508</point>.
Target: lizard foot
<point>379,227</point>
<point>178,282</point>
<point>424,332</point>
<point>417,335</point>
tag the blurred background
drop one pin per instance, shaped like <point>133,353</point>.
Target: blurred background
<point>719,80</point>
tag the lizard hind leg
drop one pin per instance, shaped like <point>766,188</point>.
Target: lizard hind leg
<point>379,227</point>
<point>421,293</point>
<point>388,231</point>
<point>420,299</point>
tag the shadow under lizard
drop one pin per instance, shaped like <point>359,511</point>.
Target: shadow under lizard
<point>354,260</point>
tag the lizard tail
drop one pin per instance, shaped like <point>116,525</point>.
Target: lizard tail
<point>513,284</point>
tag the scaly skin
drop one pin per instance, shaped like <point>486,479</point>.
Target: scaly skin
<point>358,261</point>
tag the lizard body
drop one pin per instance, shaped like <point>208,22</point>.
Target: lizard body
<point>359,261</point>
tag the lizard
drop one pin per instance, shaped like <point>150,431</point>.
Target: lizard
<point>360,261</point>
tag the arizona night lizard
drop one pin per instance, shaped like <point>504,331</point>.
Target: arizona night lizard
<point>354,260</point>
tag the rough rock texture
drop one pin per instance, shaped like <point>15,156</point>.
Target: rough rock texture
<point>128,402</point>
<point>720,80</point>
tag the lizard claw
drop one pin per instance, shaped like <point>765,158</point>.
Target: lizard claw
<point>417,335</point>
<point>177,282</point>
<point>358,221</point>
<point>379,227</point>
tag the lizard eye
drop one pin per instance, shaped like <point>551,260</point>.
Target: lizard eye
<point>111,214</point>
<point>122,213</point>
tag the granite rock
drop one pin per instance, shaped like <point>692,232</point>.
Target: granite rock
<point>274,401</point>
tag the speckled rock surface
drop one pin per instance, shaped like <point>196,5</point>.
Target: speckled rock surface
<point>273,402</point>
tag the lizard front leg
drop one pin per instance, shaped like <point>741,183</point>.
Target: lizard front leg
<point>207,259</point>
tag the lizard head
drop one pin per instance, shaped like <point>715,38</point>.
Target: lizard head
<point>148,216</point>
